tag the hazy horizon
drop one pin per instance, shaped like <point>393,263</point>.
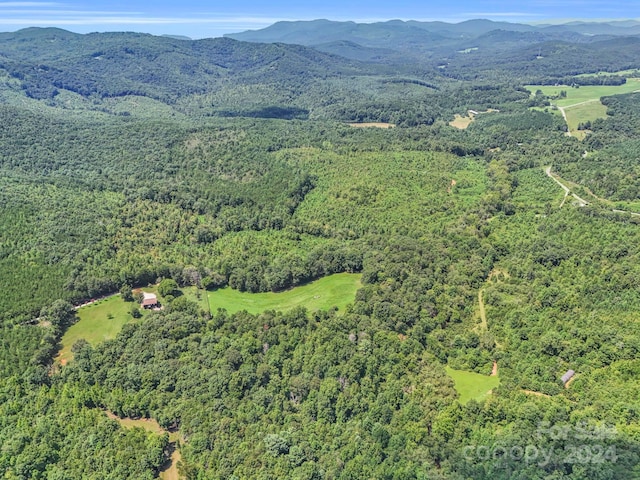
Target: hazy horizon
<point>197,19</point>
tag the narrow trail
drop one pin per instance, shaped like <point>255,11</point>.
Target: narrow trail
<point>483,313</point>
<point>484,326</point>
<point>564,115</point>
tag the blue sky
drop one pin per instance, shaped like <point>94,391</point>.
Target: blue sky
<point>198,18</point>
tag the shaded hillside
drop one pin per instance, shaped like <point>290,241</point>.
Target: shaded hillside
<point>546,59</point>
<point>117,64</point>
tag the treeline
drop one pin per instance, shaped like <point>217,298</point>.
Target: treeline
<point>583,80</point>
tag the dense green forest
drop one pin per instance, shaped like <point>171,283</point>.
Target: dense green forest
<point>231,164</point>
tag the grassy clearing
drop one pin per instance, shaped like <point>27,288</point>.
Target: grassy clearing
<point>148,424</point>
<point>582,113</point>
<point>470,385</point>
<point>335,290</point>
<point>585,93</point>
<point>96,323</point>
<point>103,320</point>
<point>583,104</point>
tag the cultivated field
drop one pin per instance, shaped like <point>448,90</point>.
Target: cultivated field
<point>335,290</point>
<point>470,385</point>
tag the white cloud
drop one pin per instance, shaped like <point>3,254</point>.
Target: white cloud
<point>133,20</point>
<point>28,4</point>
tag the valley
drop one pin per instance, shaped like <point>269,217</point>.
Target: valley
<point>363,248</point>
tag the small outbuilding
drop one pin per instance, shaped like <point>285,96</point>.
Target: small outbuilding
<point>150,301</point>
<point>567,376</point>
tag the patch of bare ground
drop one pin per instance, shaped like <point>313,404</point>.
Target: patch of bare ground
<point>566,385</point>
<point>460,122</point>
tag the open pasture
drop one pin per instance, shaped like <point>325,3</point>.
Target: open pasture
<point>335,290</point>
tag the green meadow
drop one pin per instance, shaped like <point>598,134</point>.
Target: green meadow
<point>333,291</point>
<point>104,319</point>
<point>583,104</point>
<point>96,323</point>
<point>471,385</point>
<point>584,93</point>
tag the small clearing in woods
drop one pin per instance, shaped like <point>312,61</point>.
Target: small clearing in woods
<point>471,385</point>
<point>461,122</point>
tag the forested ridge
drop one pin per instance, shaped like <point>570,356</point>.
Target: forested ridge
<point>230,164</point>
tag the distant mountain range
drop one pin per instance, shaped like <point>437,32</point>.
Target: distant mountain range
<point>317,32</point>
<point>304,64</point>
<point>383,41</point>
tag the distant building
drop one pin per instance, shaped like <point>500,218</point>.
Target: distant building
<point>150,301</point>
<point>567,376</point>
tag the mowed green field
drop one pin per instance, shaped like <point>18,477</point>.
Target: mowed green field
<point>104,319</point>
<point>335,290</point>
<point>471,385</point>
<point>584,112</point>
<point>584,93</point>
<point>96,323</point>
<point>583,104</point>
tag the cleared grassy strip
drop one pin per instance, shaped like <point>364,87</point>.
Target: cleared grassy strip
<point>372,125</point>
<point>585,93</point>
<point>632,71</point>
<point>470,385</point>
<point>335,290</point>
